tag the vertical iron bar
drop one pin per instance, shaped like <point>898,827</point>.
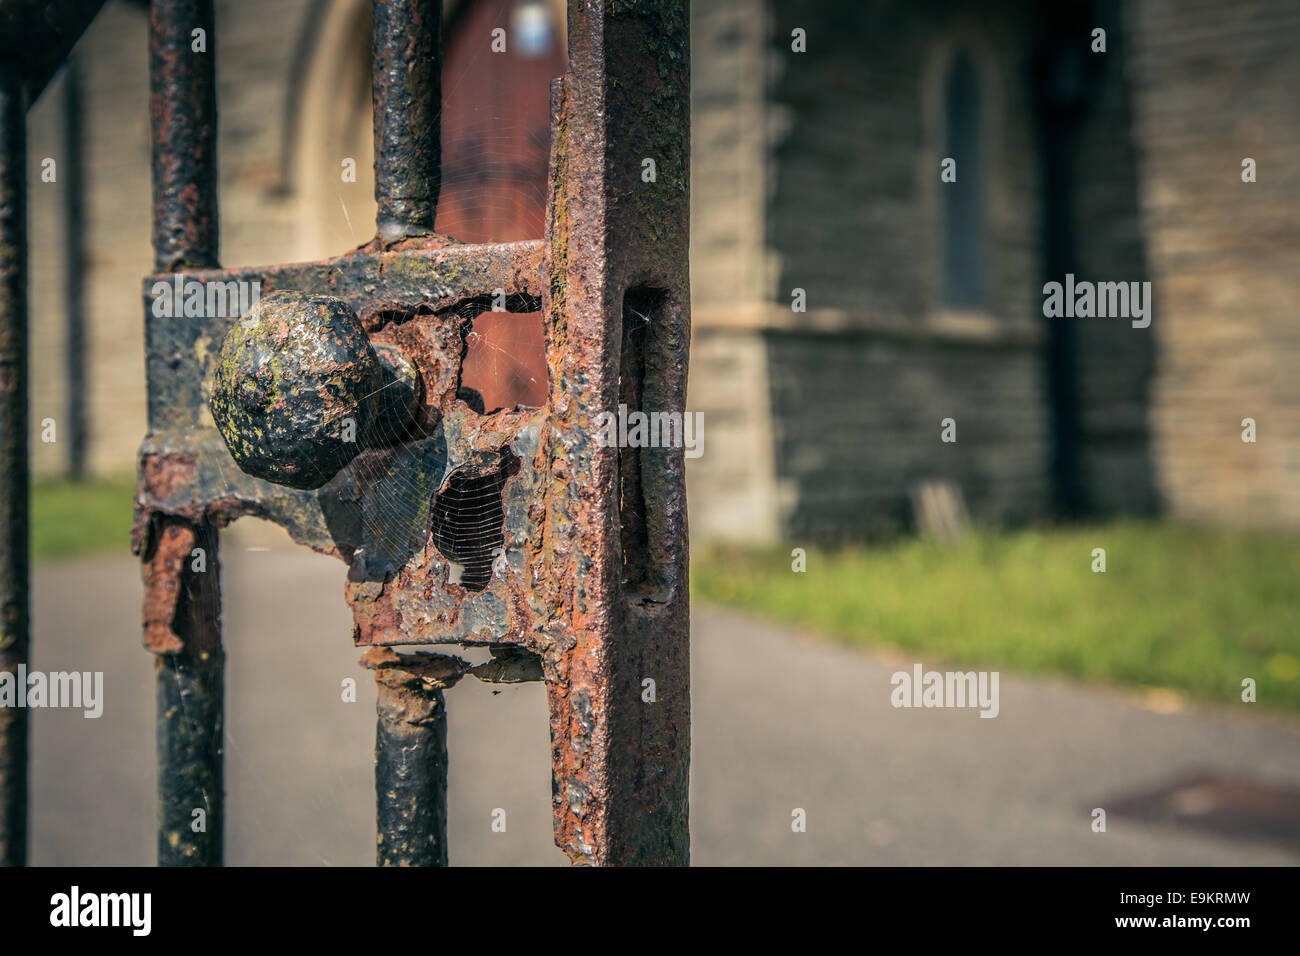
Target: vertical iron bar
<point>74,269</point>
<point>411,735</point>
<point>410,767</point>
<point>15,637</point>
<point>191,714</point>
<point>406,64</point>
<point>183,112</point>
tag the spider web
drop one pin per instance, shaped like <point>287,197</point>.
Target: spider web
<point>496,143</point>
<point>495,132</point>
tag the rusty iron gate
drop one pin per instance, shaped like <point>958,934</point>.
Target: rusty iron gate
<point>334,407</point>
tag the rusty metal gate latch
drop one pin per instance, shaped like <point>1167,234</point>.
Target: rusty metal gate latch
<point>335,408</point>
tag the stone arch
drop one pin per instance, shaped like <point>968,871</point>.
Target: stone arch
<point>333,122</point>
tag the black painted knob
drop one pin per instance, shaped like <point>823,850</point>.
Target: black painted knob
<point>298,388</point>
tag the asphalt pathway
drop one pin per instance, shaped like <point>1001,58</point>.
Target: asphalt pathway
<point>781,722</point>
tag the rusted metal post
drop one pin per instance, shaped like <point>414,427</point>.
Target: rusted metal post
<point>588,576</point>
<point>618,672</point>
<point>411,738</point>
<point>182,570</point>
<point>410,758</point>
<point>183,114</point>
<point>14,571</point>
<point>182,626</point>
<point>406,66</point>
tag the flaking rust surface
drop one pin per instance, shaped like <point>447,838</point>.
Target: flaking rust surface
<point>413,602</point>
<point>169,551</point>
<point>620,766</point>
<point>375,514</point>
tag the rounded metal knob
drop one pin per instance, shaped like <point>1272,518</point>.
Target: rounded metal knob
<point>297,388</point>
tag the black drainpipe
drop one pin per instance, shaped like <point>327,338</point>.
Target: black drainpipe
<point>1062,77</point>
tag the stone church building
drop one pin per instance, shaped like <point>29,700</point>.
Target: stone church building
<point>857,298</point>
<point>821,171</point>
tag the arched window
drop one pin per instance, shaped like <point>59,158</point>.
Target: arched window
<point>962,202</point>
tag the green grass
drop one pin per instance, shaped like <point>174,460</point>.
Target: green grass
<point>77,518</point>
<point>1191,609</point>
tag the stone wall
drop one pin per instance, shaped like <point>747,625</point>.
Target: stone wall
<point>732,486</point>
<point>858,425</point>
<point>861,383</point>
<point>1216,83</point>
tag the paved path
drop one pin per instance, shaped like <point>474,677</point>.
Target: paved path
<point>779,722</point>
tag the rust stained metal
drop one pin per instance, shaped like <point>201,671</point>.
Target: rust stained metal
<point>432,277</point>
<point>183,109</point>
<point>170,551</point>
<point>412,299</point>
<point>183,595</point>
<point>620,763</point>
<point>579,593</point>
<point>411,746</point>
<point>182,626</point>
<point>408,670</point>
<point>508,665</point>
<point>413,601</point>
<point>406,81</point>
<point>406,297</point>
<point>411,756</point>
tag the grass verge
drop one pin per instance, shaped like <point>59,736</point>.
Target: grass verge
<point>73,518</point>
<point>1192,609</point>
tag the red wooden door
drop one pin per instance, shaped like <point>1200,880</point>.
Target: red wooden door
<point>495,142</point>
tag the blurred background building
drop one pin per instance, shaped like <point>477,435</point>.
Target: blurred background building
<point>816,171</point>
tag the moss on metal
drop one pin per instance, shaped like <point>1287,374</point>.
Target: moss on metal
<point>295,388</point>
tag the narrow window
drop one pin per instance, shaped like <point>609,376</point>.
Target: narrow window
<point>962,205</point>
